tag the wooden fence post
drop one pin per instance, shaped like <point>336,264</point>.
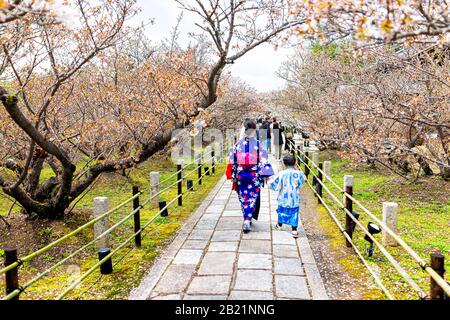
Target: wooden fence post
<point>319,185</point>
<point>101,206</point>
<point>438,265</point>
<point>390,219</point>
<point>306,165</point>
<point>213,161</point>
<point>348,188</point>
<point>12,276</point>
<point>162,207</point>
<point>200,169</point>
<point>106,267</point>
<point>137,218</point>
<point>180,182</point>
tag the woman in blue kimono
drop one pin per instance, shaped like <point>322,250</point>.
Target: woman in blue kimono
<point>250,167</point>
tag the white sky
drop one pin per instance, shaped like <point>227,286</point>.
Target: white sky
<point>257,68</point>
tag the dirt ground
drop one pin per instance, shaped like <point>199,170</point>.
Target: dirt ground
<point>339,283</point>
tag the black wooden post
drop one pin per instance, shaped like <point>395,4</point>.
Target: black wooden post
<point>306,165</point>
<point>163,209</point>
<point>438,265</point>
<point>200,170</point>
<point>319,184</point>
<point>213,161</point>
<point>137,217</point>
<point>180,184</point>
<point>190,185</point>
<point>348,219</point>
<point>106,267</point>
<point>12,276</point>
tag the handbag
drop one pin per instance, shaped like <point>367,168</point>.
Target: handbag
<point>229,174</point>
<point>229,171</point>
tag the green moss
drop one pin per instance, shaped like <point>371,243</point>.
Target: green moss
<point>423,221</point>
<point>130,263</point>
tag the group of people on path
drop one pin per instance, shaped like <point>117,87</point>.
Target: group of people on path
<point>250,170</point>
<point>271,133</point>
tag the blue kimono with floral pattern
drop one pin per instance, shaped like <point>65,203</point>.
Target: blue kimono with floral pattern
<point>288,183</point>
<point>250,165</point>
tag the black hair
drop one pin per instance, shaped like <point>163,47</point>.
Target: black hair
<point>289,160</point>
<point>250,124</point>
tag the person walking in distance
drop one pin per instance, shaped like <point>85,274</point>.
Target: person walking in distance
<point>267,134</point>
<point>278,139</point>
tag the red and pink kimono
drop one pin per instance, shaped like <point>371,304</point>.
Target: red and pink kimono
<point>250,167</point>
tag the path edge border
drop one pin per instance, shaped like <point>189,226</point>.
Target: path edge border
<point>148,283</point>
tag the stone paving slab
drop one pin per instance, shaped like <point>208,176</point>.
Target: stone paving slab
<point>188,256</point>
<point>217,263</point>
<point>205,297</point>
<point>195,244</point>
<point>251,295</point>
<point>285,251</point>
<point>198,234</point>
<point>227,235</point>
<point>254,280</point>
<point>211,285</point>
<point>256,246</point>
<point>257,236</point>
<point>288,266</point>
<point>175,280</point>
<point>291,287</point>
<point>230,246</point>
<point>255,261</point>
<point>212,259</point>
<point>232,213</point>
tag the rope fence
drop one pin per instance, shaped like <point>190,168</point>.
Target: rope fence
<point>318,185</point>
<point>12,263</point>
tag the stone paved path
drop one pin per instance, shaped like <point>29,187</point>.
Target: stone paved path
<point>211,258</point>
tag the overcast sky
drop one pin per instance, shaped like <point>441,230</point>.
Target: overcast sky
<point>257,68</point>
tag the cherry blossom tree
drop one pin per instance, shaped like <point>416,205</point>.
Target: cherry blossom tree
<point>388,108</point>
<point>374,21</point>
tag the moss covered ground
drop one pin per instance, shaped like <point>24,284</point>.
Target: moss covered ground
<point>130,263</point>
<point>423,222</point>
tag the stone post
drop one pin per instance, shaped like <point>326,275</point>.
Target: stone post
<point>327,169</point>
<point>155,178</point>
<point>315,159</point>
<point>390,219</point>
<point>101,206</point>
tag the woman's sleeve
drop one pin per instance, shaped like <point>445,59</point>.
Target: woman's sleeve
<point>232,159</point>
<point>302,179</point>
<point>264,156</point>
<point>231,154</point>
<point>275,185</point>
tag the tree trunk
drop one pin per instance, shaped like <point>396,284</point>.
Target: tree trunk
<point>50,199</point>
<point>424,165</point>
<point>445,172</point>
